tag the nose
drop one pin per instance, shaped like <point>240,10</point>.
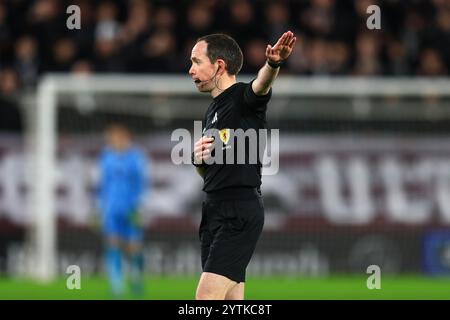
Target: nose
<point>191,70</point>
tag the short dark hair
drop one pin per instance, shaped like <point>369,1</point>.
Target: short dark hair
<point>222,46</point>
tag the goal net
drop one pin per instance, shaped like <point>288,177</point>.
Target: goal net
<point>363,176</point>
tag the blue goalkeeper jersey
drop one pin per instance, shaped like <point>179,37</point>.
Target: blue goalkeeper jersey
<point>123,181</point>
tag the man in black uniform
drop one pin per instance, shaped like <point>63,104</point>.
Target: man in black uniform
<point>233,212</point>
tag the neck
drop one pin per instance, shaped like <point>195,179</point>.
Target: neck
<point>223,83</point>
<point>121,147</point>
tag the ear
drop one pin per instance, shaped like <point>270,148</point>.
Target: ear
<point>222,66</point>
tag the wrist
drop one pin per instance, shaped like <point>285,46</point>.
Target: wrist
<point>194,161</point>
<point>274,64</point>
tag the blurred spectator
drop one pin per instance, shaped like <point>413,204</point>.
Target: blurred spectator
<point>134,34</point>
<point>9,82</point>
<point>199,21</point>
<point>393,15</point>
<point>27,60</point>
<point>165,19</point>
<point>84,102</point>
<point>106,46</point>
<point>439,33</point>
<point>137,25</point>
<point>361,13</point>
<point>4,33</point>
<point>107,26</point>
<point>317,54</point>
<point>397,63</point>
<point>277,17</point>
<point>243,25</point>
<point>10,118</point>
<point>159,52</point>
<point>254,56</point>
<point>298,62</point>
<point>367,60</point>
<point>82,67</point>
<point>44,10</point>
<point>107,56</point>
<point>63,55</point>
<point>44,20</point>
<point>84,37</point>
<point>441,4</point>
<point>318,17</point>
<point>413,32</point>
<point>431,64</point>
<point>338,58</point>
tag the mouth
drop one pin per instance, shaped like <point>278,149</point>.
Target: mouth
<point>197,81</point>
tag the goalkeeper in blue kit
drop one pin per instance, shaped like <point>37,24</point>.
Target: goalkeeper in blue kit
<point>123,180</point>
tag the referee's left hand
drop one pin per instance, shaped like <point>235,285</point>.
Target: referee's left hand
<point>203,148</point>
<point>282,49</point>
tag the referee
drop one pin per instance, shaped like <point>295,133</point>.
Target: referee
<point>233,212</point>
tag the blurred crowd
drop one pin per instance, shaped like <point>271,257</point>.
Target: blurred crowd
<point>138,36</point>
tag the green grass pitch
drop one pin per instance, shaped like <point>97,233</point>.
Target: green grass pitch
<point>264,288</point>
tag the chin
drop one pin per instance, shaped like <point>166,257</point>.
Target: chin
<point>203,89</point>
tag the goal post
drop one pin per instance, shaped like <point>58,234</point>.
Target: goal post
<point>42,150</point>
<point>41,160</point>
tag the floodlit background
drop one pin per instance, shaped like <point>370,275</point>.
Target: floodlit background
<point>364,151</point>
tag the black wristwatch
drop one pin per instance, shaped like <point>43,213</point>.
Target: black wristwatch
<point>193,161</point>
<point>274,64</point>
